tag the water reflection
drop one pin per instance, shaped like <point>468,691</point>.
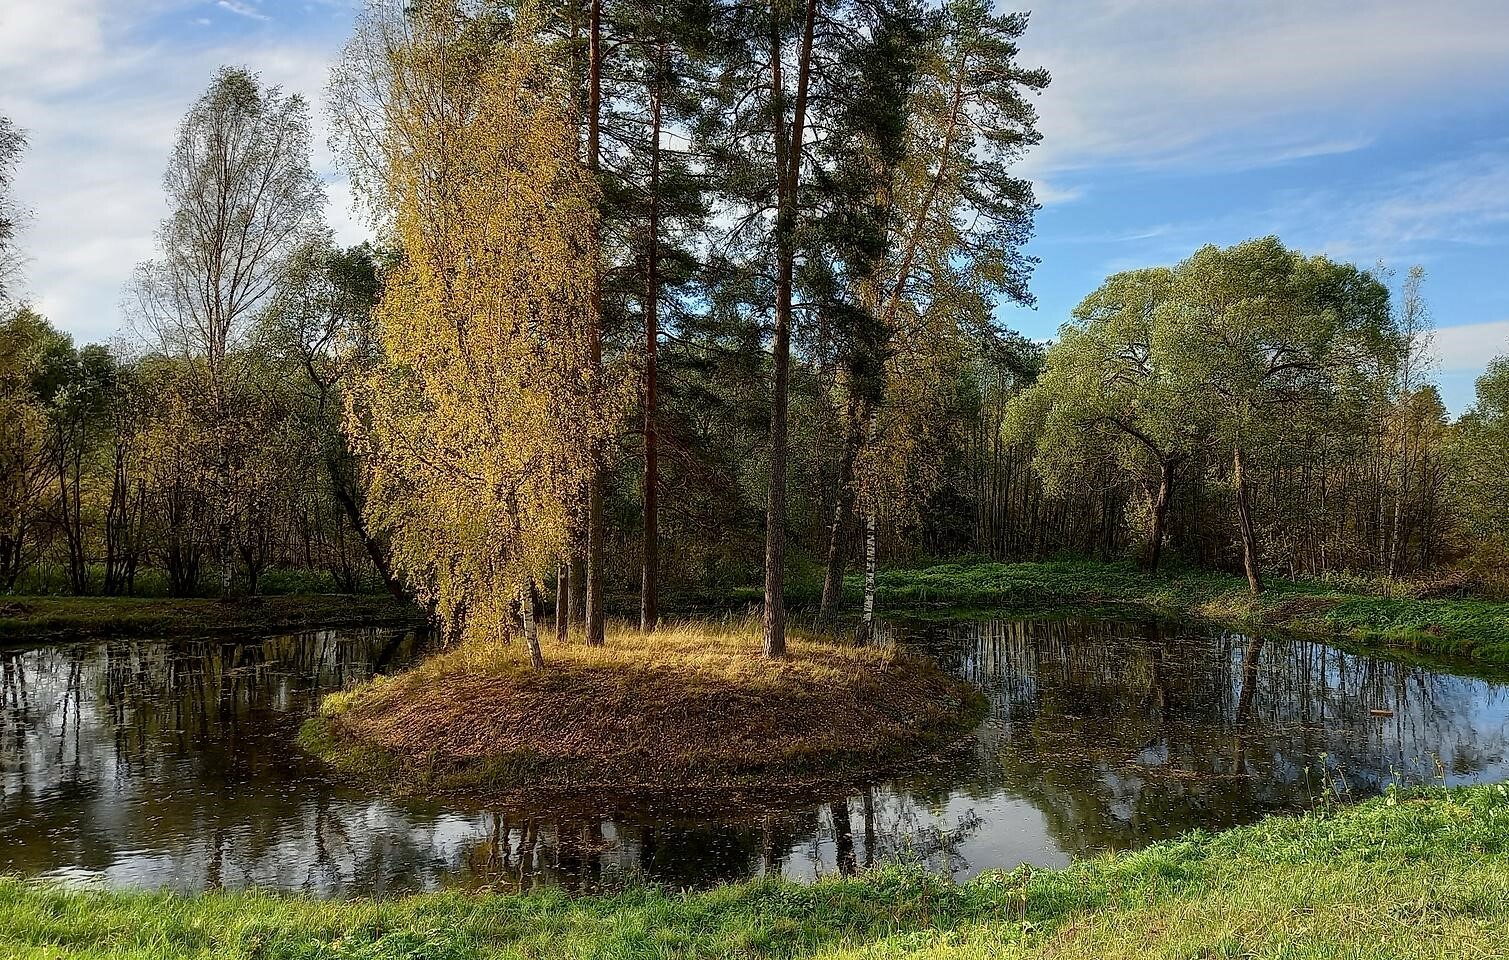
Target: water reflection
<point>172,764</point>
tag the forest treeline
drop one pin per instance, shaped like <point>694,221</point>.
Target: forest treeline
<point>675,295</point>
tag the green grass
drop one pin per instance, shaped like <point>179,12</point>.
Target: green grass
<point>1473,628</point>
<point>1414,874</point>
<point>31,617</point>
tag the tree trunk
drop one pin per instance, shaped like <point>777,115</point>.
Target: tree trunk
<point>1160,514</point>
<point>531,628</point>
<point>843,514</point>
<point>594,613</point>
<point>562,603</point>
<point>866,631</point>
<point>1244,518</point>
<point>375,551</point>
<point>788,178</point>
<point>650,574</point>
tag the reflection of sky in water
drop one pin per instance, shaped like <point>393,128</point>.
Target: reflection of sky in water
<point>172,763</point>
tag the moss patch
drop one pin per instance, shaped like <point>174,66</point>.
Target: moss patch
<point>693,705</point>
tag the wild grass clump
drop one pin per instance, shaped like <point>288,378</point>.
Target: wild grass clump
<point>693,704</point>
<point>1414,874</point>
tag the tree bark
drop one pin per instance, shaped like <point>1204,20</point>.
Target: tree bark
<point>649,598</point>
<point>562,602</point>
<point>788,178</point>
<point>1160,514</point>
<point>527,600</point>
<point>866,631</point>
<point>594,614</point>
<point>1244,518</point>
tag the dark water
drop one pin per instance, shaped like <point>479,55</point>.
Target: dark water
<point>172,763</point>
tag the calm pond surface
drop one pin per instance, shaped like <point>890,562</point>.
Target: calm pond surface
<point>172,763</point>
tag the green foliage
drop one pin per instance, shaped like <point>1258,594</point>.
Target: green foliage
<point>1411,874</point>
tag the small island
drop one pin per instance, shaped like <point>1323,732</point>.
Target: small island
<point>692,705</point>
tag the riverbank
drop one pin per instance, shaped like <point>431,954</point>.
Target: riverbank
<point>693,705</point>
<point>1461,627</point>
<point>32,617</point>
<point>1417,874</point>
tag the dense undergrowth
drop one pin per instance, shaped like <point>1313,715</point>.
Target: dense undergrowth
<point>693,704</point>
<point>1413,874</point>
<point>1362,611</point>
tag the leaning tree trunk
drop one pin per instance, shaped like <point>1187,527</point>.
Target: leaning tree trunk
<point>1244,518</point>
<point>1160,514</point>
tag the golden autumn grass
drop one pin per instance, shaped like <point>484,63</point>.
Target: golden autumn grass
<point>693,704</point>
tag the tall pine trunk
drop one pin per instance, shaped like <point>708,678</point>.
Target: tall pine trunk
<point>788,146</point>
<point>649,590</point>
<point>594,612</point>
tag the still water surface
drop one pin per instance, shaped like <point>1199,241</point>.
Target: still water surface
<point>172,763</point>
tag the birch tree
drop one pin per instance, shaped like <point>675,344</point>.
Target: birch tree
<point>482,425</point>
<point>241,198</point>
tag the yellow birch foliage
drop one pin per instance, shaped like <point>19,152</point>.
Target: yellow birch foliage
<point>481,425</point>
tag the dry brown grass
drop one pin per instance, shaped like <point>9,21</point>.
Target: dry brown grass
<point>692,704</point>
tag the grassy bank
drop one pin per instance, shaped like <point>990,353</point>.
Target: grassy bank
<point>31,617</point>
<point>1414,875</point>
<point>692,705</point>
<point>1459,627</point>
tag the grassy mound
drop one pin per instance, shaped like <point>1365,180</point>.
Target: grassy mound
<point>691,705</point>
<point>1420,874</point>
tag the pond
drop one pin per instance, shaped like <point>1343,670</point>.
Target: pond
<point>172,764</point>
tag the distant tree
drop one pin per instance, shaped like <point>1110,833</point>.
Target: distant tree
<point>320,332</point>
<point>242,197</point>
<point>75,387</point>
<point>12,140</point>
<point>1111,396</point>
<point>26,339</point>
<point>1481,456</point>
<point>1275,340</point>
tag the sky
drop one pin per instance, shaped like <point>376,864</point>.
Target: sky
<point>1368,130</point>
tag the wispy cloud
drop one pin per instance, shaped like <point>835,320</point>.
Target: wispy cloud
<point>242,9</point>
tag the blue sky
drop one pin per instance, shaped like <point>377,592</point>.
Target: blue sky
<point>1364,129</point>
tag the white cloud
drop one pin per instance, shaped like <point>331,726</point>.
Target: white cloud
<point>1192,83</point>
<point>101,107</point>
<point>1467,348</point>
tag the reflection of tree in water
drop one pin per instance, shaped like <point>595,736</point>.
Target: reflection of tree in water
<point>1122,734</point>
<point>172,763</point>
